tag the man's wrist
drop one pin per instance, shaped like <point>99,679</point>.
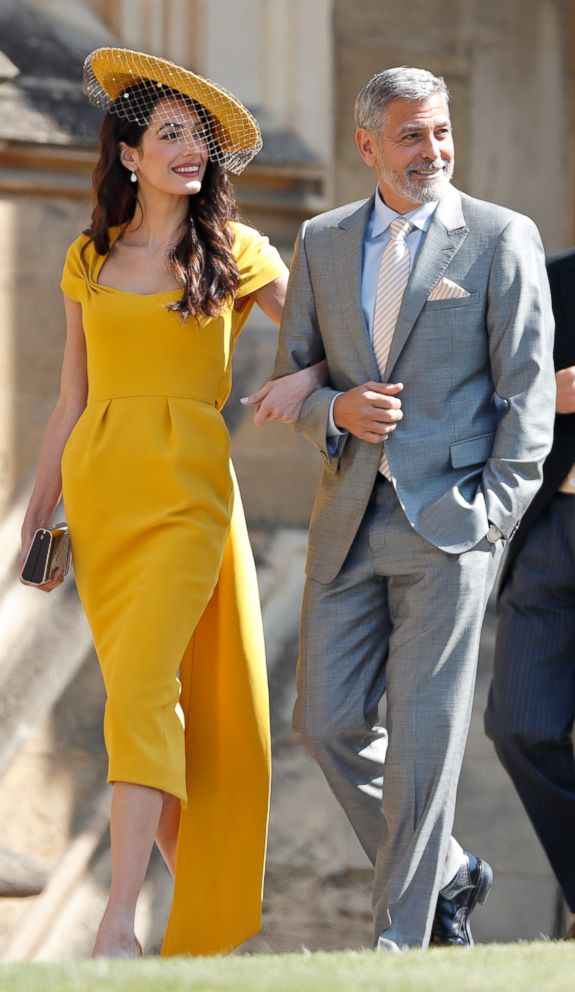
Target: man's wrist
<point>333,430</point>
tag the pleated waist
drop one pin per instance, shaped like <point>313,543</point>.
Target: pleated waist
<point>140,395</point>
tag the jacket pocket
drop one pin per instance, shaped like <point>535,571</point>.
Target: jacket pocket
<point>454,301</point>
<point>472,450</point>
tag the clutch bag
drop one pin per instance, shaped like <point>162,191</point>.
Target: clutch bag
<point>49,550</point>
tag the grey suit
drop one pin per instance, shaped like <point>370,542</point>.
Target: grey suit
<point>398,575</point>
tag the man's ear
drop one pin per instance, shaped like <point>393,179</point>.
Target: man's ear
<point>366,146</point>
<point>127,155</point>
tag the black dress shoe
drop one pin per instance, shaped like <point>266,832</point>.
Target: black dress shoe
<point>457,900</point>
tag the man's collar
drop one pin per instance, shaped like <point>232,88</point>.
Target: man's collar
<point>383,215</point>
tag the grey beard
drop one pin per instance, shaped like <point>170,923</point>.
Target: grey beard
<point>429,192</point>
<point>403,185</point>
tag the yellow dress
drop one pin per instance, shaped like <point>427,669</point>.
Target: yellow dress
<point>166,576</point>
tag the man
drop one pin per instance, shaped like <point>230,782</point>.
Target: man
<point>531,707</point>
<point>431,309</point>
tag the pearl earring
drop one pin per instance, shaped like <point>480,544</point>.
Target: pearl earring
<point>133,177</point>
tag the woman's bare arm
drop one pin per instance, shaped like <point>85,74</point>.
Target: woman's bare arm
<point>271,298</point>
<point>71,402</point>
<point>282,399</point>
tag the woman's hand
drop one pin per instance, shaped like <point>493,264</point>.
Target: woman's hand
<point>71,402</point>
<point>27,534</point>
<point>282,399</point>
<point>56,580</point>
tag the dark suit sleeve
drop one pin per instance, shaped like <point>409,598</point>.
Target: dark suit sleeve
<point>561,273</point>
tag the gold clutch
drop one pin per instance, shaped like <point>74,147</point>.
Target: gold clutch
<point>49,551</point>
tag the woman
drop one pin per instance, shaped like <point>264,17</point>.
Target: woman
<point>156,293</point>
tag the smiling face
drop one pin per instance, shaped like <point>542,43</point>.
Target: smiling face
<point>173,153</point>
<point>412,152</point>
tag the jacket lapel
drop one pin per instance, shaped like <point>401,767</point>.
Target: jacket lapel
<point>446,234</point>
<point>347,265</point>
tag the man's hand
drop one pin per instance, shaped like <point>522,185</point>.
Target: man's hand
<point>565,380</point>
<point>370,412</point>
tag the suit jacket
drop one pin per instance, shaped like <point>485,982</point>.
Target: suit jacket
<point>561,272</point>
<point>479,388</point>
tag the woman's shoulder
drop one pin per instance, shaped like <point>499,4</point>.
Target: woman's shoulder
<point>78,244</point>
<point>246,237</point>
<point>81,257</point>
<point>251,248</point>
<point>80,254</point>
<point>258,262</point>
<point>74,274</point>
<point>84,245</point>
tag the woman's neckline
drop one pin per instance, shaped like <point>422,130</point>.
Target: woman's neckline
<point>114,233</point>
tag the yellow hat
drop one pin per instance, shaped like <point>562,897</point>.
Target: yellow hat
<point>129,83</point>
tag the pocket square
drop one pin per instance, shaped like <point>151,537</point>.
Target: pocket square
<point>446,289</point>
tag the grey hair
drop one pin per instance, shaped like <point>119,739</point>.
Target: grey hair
<point>404,83</point>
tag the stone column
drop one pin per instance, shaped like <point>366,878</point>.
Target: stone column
<point>518,111</point>
<point>297,70</point>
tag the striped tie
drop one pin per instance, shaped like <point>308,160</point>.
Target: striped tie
<point>391,282</point>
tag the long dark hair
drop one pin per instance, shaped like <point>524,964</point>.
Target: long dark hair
<point>202,260</point>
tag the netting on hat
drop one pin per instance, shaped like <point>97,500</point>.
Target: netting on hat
<point>178,104</point>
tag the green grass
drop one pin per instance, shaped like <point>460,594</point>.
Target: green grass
<point>537,967</point>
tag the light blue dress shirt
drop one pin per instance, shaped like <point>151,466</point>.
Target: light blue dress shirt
<point>375,240</point>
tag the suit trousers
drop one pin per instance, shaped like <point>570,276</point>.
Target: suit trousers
<point>531,706</point>
<point>401,619</point>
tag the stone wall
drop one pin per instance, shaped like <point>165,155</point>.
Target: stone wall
<point>509,66</point>
<point>275,55</point>
<point>34,234</point>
